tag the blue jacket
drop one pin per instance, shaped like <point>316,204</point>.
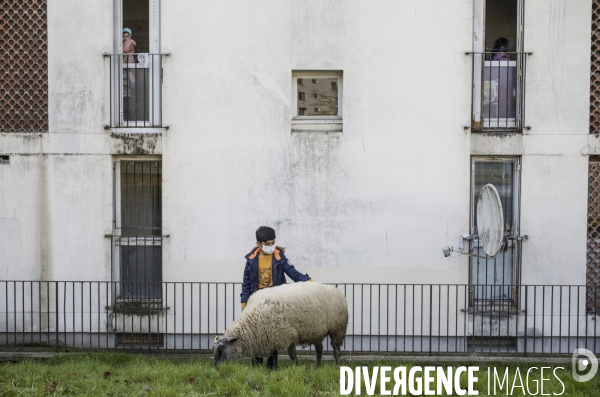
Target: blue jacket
<point>280,265</point>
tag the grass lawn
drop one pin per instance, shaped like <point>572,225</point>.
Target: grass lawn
<point>115,374</point>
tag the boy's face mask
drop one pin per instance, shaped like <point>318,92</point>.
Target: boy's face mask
<point>268,249</point>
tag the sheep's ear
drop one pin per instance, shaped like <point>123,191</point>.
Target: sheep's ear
<point>232,340</point>
<point>216,338</point>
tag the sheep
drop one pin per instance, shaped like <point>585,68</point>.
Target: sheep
<point>283,317</point>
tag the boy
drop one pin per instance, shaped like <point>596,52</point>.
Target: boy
<point>265,267</point>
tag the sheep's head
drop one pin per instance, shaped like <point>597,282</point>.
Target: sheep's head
<point>223,348</point>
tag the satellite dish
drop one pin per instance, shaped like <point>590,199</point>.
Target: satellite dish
<point>490,220</point>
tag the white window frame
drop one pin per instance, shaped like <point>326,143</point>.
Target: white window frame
<point>154,64</point>
<point>317,123</point>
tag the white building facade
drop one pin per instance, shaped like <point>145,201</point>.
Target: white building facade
<point>159,167</point>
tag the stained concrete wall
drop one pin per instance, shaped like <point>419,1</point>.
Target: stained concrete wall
<point>348,206</point>
<point>375,203</point>
<point>554,176</point>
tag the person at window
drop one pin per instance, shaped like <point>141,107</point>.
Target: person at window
<point>266,266</point>
<point>499,50</point>
<point>128,48</point>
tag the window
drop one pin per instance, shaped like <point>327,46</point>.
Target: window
<point>138,228</point>
<point>323,95</point>
<point>136,76</point>
<point>498,65</point>
<point>491,279</point>
<point>321,109</point>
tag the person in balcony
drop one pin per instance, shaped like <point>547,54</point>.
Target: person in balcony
<point>499,50</point>
<point>128,48</point>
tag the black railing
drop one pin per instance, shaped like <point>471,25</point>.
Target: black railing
<point>395,318</point>
<point>498,96</point>
<point>135,90</point>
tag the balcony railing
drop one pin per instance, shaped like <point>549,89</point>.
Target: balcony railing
<point>498,96</point>
<point>135,90</point>
<point>395,318</point>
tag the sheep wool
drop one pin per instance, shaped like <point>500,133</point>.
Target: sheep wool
<point>299,314</point>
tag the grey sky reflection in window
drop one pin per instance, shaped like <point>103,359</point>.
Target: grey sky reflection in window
<point>322,98</point>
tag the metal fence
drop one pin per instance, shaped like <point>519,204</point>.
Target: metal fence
<point>395,318</point>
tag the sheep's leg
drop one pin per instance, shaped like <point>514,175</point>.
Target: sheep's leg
<point>257,361</point>
<point>319,350</point>
<point>336,354</point>
<point>292,353</point>
<point>272,361</point>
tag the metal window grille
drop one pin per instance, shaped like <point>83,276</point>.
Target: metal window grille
<point>23,66</point>
<point>138,235</point>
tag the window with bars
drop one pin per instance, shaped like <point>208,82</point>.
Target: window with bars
<point>492,279</point>
<point>138,228</point>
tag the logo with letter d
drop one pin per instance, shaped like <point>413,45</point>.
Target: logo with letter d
<point>581,361</point>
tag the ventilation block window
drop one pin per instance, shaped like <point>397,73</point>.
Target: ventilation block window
<point>23,66</point>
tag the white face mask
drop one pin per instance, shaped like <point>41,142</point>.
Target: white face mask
<point>268,249</point>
